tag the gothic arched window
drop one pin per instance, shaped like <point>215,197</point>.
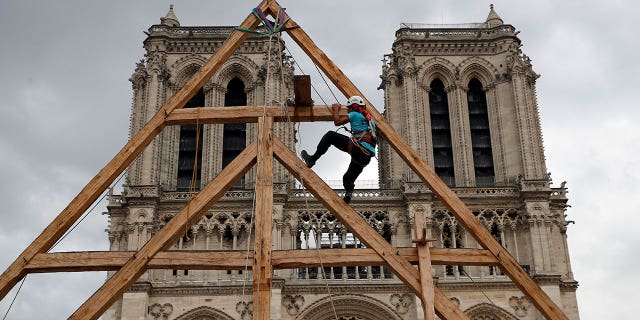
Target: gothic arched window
<point>235,134</point>
<point>190,152</point>
<point>441,132</point>
<point>480,134</point>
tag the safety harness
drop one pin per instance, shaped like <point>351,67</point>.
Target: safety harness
<point>368,136</point>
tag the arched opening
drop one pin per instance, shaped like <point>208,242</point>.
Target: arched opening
<point>485,311</point>
<point>348,307</point>
<point>190,150</point>
<point>234,138</point>
<point>204,313</point>
<point>480,134</point>
<point>441,132</point>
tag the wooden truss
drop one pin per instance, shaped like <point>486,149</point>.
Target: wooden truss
<point>130,265</point>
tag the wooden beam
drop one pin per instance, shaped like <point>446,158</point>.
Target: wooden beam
<point>262,268</point>
<point>289,259</point>
<point>114,260</point>
<point>123,159</point>
<point>246,114</point>
<point>113,288</point>
<point>508,263</point>
<point>352,220</point>
<point>236,260</point>
<point>424,265</point>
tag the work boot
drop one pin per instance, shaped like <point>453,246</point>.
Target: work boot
<point>307,159</point>
<point>347,196</point>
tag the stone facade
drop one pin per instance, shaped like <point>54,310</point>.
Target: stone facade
<point>510,192</point>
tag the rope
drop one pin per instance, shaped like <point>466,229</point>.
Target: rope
<point>318,243</point>
<point>306,201</point>
<point>478,286</point>
<point>473,281</point>
<point>283,105</point>
<point>312,86</point>
<point>246,264</point>
<point>14,297</point>
<point>269,28</point>
<point>264,113</point>
<point>194,176</point>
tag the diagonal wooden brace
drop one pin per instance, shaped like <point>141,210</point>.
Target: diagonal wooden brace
<point>113,288</point>
<point>352,220</point>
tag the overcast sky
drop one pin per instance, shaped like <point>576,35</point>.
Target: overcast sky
<point>65,100</point>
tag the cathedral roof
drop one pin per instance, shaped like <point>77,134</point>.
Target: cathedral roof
<point>493,19</point>
<point>170,19</point>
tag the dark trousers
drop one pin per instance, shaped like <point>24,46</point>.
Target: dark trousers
<point>359,159</point>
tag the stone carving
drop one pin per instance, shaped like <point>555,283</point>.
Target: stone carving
<point>455,301</point>
<point>139,77</point>
<point>401,302</point>
<point>520,305</point>
<point>158,311</point>
<point>293,303</point>
<point>245,309</point>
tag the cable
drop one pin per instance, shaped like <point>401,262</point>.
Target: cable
<point>312,86</point>
<point>194,176</point>
<point>14,297</point>
<point>318,243</point>
<point>246,264</point>
<point>478,286</point>
<point>86,214</point>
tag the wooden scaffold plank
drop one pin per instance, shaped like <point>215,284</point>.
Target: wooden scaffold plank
<point>247,114</point>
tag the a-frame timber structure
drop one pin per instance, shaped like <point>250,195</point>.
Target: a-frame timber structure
<point>131,265</point>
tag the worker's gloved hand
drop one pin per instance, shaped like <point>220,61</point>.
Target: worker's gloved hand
<point>336,107</point>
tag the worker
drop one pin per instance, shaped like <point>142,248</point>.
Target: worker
<point>361,145</point>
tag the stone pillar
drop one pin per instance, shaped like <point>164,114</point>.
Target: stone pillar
<point>497,134</point>
<point>134,305</point>
<point>460,135</point>
<point>276,303</point>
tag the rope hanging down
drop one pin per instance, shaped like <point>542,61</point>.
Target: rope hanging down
<point>269,27</point>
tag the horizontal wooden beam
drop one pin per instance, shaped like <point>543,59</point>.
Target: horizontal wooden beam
<point>288,259</point>
<point>237,260</point>
<point>245,114</point>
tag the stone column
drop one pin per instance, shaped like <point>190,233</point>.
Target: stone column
<point>460,135</point>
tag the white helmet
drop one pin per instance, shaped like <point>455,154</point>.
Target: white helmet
<point>355,100</point>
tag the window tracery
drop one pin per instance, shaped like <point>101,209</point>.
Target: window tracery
<point>190,150</point>
<point>441,132</point>
<point>451,235</point>
<point>480,134</point>
<point>485,311</point>
<point>321,229</point>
